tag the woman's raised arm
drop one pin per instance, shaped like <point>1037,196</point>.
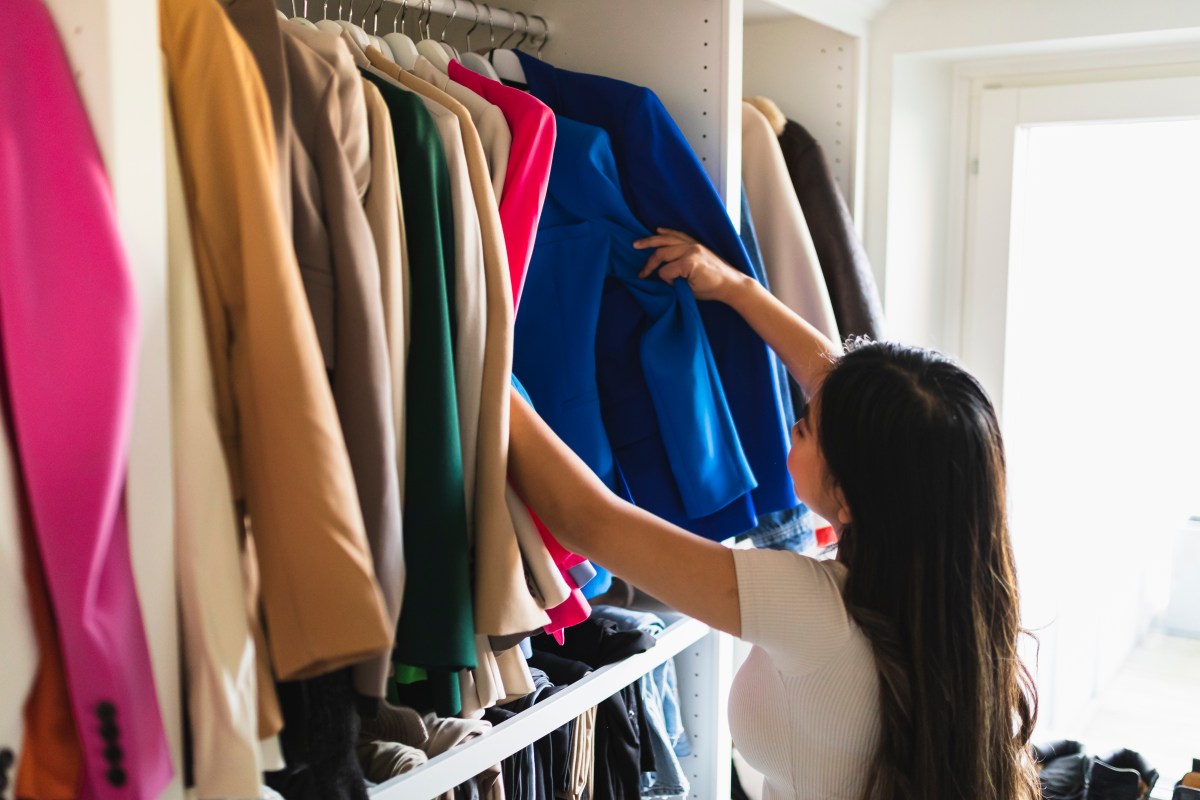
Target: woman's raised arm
<point>688,573</point>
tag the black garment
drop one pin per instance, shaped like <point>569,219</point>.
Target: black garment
<point>526,774</point>
<point>621,721</point>
<point>848,276</point>
<point>534,773</point>
<point>596,642</point>
<point>320,732</point>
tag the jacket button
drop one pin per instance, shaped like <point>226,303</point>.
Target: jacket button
<point>116,776</point>
<point>113,754</point>
<point>109,731</point>
<point>106,711</point>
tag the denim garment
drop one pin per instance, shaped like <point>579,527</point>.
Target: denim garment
<point>660,696</point>
<point>666,185</point>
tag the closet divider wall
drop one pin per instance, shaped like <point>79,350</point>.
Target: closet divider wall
<point>690,52</point>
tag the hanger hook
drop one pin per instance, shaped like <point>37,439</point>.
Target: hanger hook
<point>515,30</point>
<point>428,20</point>
<point>524,32</point>
<point>473,26</point>
<point>545,35</point>
<point>491,29</point>
<point>293,8</point>
<point>446,27</point>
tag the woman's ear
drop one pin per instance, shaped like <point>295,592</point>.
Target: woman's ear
<point>843,510</point>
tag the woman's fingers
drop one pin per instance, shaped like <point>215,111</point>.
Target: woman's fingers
<point>662,256</point>
<point>676,269</point>
<point>657,241</point>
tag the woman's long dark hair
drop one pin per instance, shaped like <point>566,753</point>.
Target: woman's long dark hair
<point>913,442</point>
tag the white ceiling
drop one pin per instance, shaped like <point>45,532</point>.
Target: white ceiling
<point>850,16</point>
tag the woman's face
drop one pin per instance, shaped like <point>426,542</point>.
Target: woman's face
<point>810,475</point>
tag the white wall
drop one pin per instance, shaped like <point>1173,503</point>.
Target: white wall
<point>913,49</point>
<point>813,73</point>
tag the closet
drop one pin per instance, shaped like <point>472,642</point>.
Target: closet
<point>692,53</point>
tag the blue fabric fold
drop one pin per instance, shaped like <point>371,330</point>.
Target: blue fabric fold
<point>584,248</point>
<point>665,185</point>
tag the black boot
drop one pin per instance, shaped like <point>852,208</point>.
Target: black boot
<point>1127,759</point>
<point>1113,783</point>
<point>1188,787</point>
<point>1062,769</point>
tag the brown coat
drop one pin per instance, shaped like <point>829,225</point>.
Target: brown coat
<point>288,463</point>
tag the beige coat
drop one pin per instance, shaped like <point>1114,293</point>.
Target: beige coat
<point>19,665</point>
<point>784,240</point>
<point>489,121</point>
<point>219,663</point>
<point>287,459</point>
<point>385,214</point>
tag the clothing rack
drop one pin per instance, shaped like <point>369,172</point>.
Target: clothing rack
<point>690,52</point>
<point>483,16</point>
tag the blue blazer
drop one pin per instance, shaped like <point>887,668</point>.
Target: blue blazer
<point>635,394</point>
<point>665,185</point>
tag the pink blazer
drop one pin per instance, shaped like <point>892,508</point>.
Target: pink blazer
<point>528,173</point>
<point>68,331</point>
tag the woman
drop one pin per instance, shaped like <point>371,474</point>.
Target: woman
<point>891,672</point>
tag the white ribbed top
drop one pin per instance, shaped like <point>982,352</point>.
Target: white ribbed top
<point>804,708</point>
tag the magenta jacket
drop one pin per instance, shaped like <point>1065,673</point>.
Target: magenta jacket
<point>528,173</point>
<point>68,339</point>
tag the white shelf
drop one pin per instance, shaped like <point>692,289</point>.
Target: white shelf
<point>464,762</point>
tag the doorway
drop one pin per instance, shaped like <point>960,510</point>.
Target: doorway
<point>1081,315</point>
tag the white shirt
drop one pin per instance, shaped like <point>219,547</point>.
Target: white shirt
<point>804,708</point>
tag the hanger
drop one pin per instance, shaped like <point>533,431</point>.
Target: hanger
<point>474,61</point>
<point>302,20</point>
<point>325,23</point>
<point>507,65</point>
<point>356,33</point>
<point>451,51</point>
<point>404,51</point>
<point>376,41</point>
<point>433,50</point>
<point>545,36</point>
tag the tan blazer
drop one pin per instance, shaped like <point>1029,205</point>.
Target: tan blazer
<point>385,214</point>
<point>489,120</point>
<point>279,429</point>
<point>340,268</point>
<point>503,603</point>
<point>219,662</point>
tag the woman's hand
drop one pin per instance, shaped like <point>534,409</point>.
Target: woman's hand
<point>804,350</point>
<point>678,255</point>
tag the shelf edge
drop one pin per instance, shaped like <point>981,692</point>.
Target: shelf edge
<point>462,763</point>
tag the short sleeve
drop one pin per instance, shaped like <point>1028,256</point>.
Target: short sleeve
<point>791,606</point>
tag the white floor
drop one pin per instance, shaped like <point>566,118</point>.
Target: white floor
<point>1153,707</point>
